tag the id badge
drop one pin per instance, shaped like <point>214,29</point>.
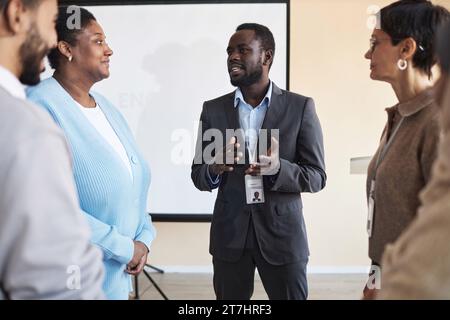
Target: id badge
<point>254,189</point>
<point>371,208</point>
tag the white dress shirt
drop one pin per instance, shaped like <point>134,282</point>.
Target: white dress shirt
<point>10,83</point>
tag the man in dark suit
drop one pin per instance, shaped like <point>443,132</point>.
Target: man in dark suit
<point>269,235</point>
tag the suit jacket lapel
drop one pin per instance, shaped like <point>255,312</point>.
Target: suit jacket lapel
<point>272,117</point>
<point>233,123</point>
<point>275,110</point>
<point>233,117</point>
<point>232,113</point>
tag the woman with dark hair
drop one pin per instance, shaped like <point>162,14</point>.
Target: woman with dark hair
<point>402,53</point>
<point>417,266</point>
<point>112,177</point>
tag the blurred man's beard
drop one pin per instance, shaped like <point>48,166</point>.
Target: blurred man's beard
<point>250,79</point>
<point>31,53</point>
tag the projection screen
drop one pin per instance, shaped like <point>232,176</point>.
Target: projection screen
<point>168,59</point>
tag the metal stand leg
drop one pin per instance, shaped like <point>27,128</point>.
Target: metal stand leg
<point>149,277</point>
<point>136,288</point>
<point>156,286</point>
<point>155,268</point>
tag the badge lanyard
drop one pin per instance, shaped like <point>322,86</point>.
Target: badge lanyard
<point>254,186</point>
<point>386,147</point>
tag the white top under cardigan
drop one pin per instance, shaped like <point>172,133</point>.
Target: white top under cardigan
<point>97,118</point>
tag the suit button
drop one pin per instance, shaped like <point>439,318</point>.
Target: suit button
<point>134,159</point>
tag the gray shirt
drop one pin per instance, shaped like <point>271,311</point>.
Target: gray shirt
<point>45,251</point>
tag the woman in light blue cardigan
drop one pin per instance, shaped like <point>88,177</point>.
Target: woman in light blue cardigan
<point>111,175</point>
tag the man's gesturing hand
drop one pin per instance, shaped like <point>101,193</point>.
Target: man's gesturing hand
<point>268,165</point>
<point>224,159</point>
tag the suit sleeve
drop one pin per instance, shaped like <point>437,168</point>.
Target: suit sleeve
<point>308,173</point>
<point>46,252</point>
<point>199,170</point>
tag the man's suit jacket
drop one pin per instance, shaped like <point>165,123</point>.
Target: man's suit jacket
<point>278,222</point>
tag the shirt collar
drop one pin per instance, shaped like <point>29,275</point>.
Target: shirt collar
<point>11,84</point>
<point>414,105</point>
<point>238,96</point>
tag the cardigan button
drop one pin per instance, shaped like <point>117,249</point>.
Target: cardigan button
<point>134,159</point>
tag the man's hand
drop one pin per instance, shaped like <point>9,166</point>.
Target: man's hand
<point>139,259</point>
<point>221,160</point>
<point>268,165</point>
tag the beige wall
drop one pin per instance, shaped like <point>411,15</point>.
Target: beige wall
<point>328,41</point>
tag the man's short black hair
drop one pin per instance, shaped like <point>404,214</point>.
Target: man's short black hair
<point>262,33</point>
<point>420,20</point>
<point>66,33</point>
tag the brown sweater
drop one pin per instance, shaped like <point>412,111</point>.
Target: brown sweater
<point>405,169</point>
<point>417,266</point>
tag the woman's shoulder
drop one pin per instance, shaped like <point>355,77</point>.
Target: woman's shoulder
<point>46,88</point>
<point>432,113</point>
<point>428,114</point>
<point>48,94</point>
<point>431,122</point>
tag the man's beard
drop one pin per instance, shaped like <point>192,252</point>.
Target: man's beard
<point>250,79</point>
<point>31,54</point>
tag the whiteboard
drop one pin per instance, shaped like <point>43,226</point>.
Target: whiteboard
<point>168,60</point>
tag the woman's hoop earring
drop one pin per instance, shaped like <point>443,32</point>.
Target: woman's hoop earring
<point>402,64</point>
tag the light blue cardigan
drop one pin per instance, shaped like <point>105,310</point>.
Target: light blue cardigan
<point>114,203</point>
